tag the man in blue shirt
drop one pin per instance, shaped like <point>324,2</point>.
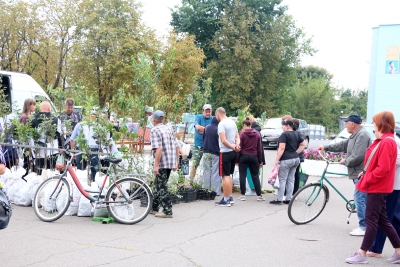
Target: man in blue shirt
<point>200,123</point>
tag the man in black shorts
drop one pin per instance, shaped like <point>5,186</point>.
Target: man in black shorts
<point>229,144</point>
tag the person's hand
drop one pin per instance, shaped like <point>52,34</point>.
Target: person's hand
<point>321,148</point>
<point>237,148</point>
<point>261,165</point>
<point>360,174</point>
<point>155,170</point>
<point>276,162</point>
<point>342,161</point>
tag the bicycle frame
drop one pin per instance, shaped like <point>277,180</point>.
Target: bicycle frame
<point>86,193</point>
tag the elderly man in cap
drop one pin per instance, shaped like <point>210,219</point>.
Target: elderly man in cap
<point>200,123</point>
<point>354,147</point>
<point>165,152</point>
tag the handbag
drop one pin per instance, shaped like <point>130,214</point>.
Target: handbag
<point>5,210</point>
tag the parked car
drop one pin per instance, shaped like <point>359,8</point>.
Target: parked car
<point>273,129</point>
<point>344,134</point>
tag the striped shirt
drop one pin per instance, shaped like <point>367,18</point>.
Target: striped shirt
<point>162,136</point>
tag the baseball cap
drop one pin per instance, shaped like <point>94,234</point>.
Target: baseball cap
<point>354,118</point>
<point>207,106</point>
<point>158,115</point>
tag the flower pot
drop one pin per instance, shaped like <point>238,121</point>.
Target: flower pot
<point>316,168</point>
<point>207,195</point>
<point>200,194</point>
<point>185,196</point>
<point>213,194</point>
<point>192,195</point>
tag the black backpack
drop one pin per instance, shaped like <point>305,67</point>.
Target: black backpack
<point>5,210</point>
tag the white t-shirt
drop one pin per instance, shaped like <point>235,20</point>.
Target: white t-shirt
<point>228,127</point>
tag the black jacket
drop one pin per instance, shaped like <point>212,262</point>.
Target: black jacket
<point>257,127</point>
<point>38,119</point>
<point>211,137</point>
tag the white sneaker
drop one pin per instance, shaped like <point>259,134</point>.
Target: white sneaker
<point>358,232</point>
<point>251,193</point>
<point>260,198</point>
<point>242,198</point>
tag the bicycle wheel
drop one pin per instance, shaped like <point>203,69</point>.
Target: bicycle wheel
<point>307,204</point>
<point>52,199</point>
<point>129,200</point>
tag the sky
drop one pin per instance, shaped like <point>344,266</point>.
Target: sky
<point>341,31</point>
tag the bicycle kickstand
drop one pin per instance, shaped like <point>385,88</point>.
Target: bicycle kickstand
<point>348,218</point>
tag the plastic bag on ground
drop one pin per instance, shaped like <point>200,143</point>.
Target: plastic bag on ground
<point>61,199</point>
<point>124,212</point>
<point>84,208</point>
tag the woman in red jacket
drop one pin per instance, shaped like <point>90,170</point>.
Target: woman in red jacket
<point>378,182</point>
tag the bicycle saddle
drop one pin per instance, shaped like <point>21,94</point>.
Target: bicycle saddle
<point>113,160</point>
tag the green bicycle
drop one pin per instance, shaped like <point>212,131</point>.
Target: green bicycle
<point>309,202</point>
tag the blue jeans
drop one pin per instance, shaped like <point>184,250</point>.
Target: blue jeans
<point>359,200</point>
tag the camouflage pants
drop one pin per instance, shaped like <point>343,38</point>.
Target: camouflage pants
<point>161,194</point>
<point>197,154</point>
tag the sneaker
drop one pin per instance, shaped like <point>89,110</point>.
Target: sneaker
<point>394,259</point>
<point>286,201</point>
<point>251,193</point>
<point>260,198</point>
<point>231,200</point>
<point>357,258</point>
<point>223,203</point>
<point>358,232</point>
<point>373,254</point>
<point>153,212</point>
<point>276,202</point>
<point>163,215</point>
<point>242,198</point>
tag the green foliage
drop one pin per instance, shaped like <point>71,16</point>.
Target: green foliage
<point>353,102</point>
<point>242,114</point>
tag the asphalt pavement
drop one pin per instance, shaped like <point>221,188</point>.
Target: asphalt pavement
<point>249,233</point>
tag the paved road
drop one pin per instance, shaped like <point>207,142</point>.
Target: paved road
<point>250,233</point>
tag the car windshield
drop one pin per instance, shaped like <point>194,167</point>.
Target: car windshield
<point>273,124</point>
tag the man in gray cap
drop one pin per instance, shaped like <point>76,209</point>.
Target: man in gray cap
<point>165,152</point>
<point>355,147</point>
<point>200,123</point>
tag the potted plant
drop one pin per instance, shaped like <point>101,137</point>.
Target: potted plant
<point>314,164</point>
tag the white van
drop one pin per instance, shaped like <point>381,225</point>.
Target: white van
<point>19,86</point>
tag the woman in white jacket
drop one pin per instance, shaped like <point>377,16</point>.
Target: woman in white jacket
<point>392,210</point>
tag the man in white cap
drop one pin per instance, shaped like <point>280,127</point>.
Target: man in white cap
<point>200,123</point>
<point>165,152</point>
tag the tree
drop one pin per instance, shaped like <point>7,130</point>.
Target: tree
<point>179,75</point>
<point>255,59</point>
<point>202,18</point>
<point>314,102</point>
<point>352,101</point>
<point>110,35</point>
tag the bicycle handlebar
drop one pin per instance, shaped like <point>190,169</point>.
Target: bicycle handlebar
<point>326,159</point>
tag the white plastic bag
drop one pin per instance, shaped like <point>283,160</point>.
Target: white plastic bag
<point>49,204</point>
<point>22,196</point>
<point>72,209</point>
<point>61,199</point>
<point>276,184</point>
<point>236,177</point>
<point>84,208</point>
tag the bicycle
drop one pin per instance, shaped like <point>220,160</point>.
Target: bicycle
<point>309,202</point>
<point>128,200</point>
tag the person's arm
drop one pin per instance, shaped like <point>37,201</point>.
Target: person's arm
<point>224,141</point>
<point>358,152</point>
<point>2,168</point>
<point>338,147</point>
<point>197,125</point>
<point>302,146</point>
<point>237,142</point>
<point>384,159</point>
<point>259,151</point>
<point>157,160</point>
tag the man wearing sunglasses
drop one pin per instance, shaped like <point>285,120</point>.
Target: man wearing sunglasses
<point>354,147</point>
